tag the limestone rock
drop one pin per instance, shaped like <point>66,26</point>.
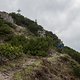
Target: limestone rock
<point>6,17</point>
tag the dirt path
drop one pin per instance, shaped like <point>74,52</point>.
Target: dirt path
<point>9,74</point>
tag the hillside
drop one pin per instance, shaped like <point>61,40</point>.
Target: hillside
<point>29,52</point>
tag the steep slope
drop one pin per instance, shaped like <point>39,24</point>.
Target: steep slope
<point>56,67</point>
<point>24,36</point>
<point>29,52</point>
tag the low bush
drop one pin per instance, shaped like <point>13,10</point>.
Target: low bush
<point>18,40</point>
<point>5,29</point>
<point>36,47</point>
<point>74,54</point>
<point>76,70</point>
<point>31,25</point>
<point>10,52</point>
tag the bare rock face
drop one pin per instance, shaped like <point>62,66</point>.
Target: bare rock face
<point>6,17</point>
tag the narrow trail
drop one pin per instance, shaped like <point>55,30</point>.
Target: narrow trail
<point>9,74</point>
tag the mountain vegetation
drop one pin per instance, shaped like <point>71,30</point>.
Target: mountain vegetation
<point>30,52</point>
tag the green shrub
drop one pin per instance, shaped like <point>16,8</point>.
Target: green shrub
<point>74,54</point>
<point>76,70</point>
<point>10,25</point>
<point>10,52</point>
<point>36,47</point>
<point>19,19</point>
<point>5,29</point>
<point>31,25</point>
<point>18,40</point>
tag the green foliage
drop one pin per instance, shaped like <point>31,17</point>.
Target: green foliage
<point>10,25</point>
<point>3,22</point>
<point>33,28</point>
<point>18,40</point>
<point>37,47</point>
<point>77,70</point>
<point>53,39</point>
<point>31,25</point>
<point>10,52</point>
<point>18,19</point>
<point>74,54</point>
<point>5,30</point>
<point>34,46</point>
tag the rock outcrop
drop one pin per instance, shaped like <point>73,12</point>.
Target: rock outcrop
<point>6,17</point>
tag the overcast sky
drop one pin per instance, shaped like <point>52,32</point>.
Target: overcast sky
<point>59,16</point>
